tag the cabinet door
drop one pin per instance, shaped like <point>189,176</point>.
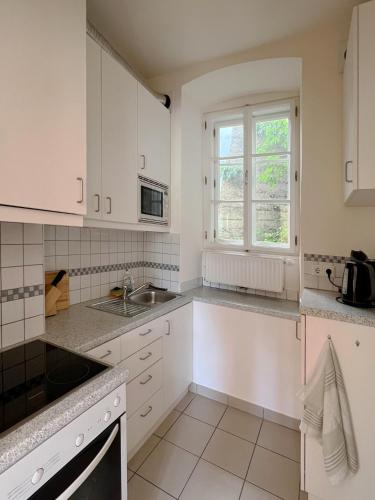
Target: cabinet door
<point>358,369</point>
<point>178,351</point>
<point>154,137</point>
<point>43,105</point>
<point>350,110</point>
<point>119,142</point>
<point>94,128</point>
<point>248,356</point>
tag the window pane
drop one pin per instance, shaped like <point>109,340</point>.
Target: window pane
<point>272,136</point>
<point>231,180</point>
<point>230,222</point>
<point>271,177</point>
<point>231,140</point>
<point>271,224</point>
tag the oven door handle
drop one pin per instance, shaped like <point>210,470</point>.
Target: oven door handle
<point>90,468</point>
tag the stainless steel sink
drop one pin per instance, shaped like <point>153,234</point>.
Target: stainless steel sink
<point>134,305</point>
<point>151,298</point>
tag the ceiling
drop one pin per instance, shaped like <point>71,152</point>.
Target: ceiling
<point>158,36</point>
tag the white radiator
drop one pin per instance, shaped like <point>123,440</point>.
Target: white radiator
<point>250,271</point>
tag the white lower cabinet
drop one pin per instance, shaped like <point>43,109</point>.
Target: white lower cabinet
<point>358,369</point>
<point>178,353</point>
<point>158,356</point>
<point>247,355</point>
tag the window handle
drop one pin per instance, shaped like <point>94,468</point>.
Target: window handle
<point>246,177</point>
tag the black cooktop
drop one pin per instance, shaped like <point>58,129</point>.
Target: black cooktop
<point>35,374</point>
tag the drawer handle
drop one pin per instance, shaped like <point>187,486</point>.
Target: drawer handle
<point>169,326</point>
<point>143,415</point>
<point>146,381</point>
<point>145,333</point>
<point>148,355</point>
<point>108,353</point>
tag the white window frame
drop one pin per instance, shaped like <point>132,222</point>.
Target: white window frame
<point>210,159</point>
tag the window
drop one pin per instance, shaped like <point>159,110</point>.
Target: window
<point>251,170</point>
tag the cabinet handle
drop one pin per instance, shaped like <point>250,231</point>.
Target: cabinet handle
<point>108,353</point>
<point>143,415</point>
<point>169,327</point>
<point>145,333</point>
<point>143,166</point>
<point>148,355</point>
<point>110,205</point>
<point>347,163</point>
<point>144,382</point>
<point>80,179</point>
<point>98,202</point>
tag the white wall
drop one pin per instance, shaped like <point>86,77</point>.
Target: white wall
<point>326,225</point>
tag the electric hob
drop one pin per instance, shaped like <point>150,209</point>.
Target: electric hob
<point>35,374</point>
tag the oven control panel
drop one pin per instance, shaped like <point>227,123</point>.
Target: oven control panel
<point>26,476</point>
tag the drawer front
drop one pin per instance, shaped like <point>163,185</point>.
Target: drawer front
<point>143,359</point>
<point>143,387</point>
<point>144,419</point>
<point>135,340</point>
<point>110,352</point>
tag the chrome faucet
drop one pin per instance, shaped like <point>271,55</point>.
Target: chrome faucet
<point>139,288</point>
<point>127,285</point>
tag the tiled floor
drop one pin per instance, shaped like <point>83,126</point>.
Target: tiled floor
<point>205,450</point>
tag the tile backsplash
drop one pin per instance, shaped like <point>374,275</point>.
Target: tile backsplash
<point>22,282</point>
<point>320,281</point>
<point>98,259</point>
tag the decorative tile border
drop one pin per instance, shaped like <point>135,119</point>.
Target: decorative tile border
<point>24,292</point>
<point>337,259</point>
<point>83,271</point>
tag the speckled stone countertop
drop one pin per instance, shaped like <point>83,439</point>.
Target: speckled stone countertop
<point>28,435</point>
<point>324,305</point>
<point>255,303</point>
<point>81,328</point>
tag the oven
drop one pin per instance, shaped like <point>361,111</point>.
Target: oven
<point>86,460</point>
<point>153,201</point>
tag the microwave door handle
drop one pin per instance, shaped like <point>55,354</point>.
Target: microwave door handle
<point>90,468</point>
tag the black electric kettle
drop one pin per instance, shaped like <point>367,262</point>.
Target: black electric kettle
<point>358,282</point>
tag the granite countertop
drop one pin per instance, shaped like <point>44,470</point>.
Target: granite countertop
<point>255,303</point>
<point>81,328</point>
<point>17,443</point>
<point>324,305</point>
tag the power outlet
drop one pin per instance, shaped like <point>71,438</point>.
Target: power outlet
<point>330,266</point>
<point>317,269</point>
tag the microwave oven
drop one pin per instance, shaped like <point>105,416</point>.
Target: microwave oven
<point>153,204</point>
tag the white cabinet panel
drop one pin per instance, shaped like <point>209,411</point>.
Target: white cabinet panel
<point>119,142</point>
<point>43,104</point>
<point>154,132</point>
<point>178,352</point>
<point>94,128</point>
<point>359,108</point>
<point>358,369</point>
<point>249,356</point>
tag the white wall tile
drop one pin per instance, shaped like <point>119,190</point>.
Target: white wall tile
<point>11,233</point>
<point>85,281</point>
<point>11,277</point>
<point>34,306</point>
<point>85,247</point>
<point>74,233</point>
<point>74,261</point>
<point>62,247</point>
<point>12,311</point>
<point>74,283</point>
<point>33,254</point>
<point>12,333</point>
<point>85,234</point>
<point>62,233</point>
<point>33,234</point>
<point>85,261</point>
<point>50,248</point>
<point>50,263</point>
<point>34,327</point>
<point>74,247</point>
<point>75,297</point>
<point>85,294</point>
<point>49,232</point>
<point>62,262</point>
<point>33,275</point>
<point>11,255</point>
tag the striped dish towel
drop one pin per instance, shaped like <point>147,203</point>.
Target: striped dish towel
<point>327,416</point>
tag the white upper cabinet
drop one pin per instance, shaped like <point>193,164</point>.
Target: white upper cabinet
<point>119,142</point>
<point>43,105</point>
<point>154,137</point>
<point>112,138</point>
<point>359,109</point>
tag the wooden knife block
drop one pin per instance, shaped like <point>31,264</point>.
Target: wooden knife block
<point>56,298</point>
